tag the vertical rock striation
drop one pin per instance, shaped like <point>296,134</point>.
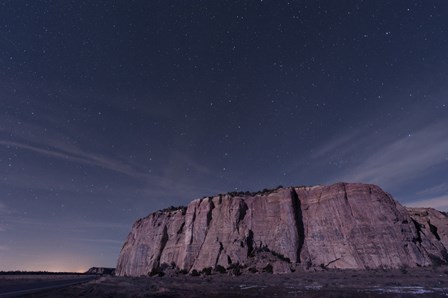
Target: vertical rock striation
<point>357,226</point>
<point>337,226</point>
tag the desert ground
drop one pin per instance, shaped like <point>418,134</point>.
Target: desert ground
<point>418,282</point>
<point>18,285</point>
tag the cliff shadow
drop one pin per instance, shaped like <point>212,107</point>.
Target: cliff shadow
<point>298,219</point>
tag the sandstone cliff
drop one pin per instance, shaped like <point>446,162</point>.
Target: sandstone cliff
<point>337,226</point>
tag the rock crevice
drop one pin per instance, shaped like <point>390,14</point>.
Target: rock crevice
<point>298,220</point>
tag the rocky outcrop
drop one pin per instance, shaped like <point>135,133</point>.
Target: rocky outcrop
<point>100,271</point>
<point>338,226</point>
<point>432,228</point>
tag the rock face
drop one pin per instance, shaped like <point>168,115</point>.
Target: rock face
<point>432,226</point>
<point>338,226</point>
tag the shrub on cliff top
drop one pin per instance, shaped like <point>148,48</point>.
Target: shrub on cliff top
<point>174,208</point>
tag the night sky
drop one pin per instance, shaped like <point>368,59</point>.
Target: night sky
<point>110,110</point>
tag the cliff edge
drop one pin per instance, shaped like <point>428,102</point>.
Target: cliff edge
<point>344,225</point>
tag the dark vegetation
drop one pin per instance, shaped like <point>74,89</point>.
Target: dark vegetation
<point>436,261</point>
<point>235,269</point>
<point>253,270</point>
<point>268,269</point>
<point>265,191</point>
<point>207,271</point>
<point>172,269</point>
<point>156,272</point>
<point>164,268</point>
<point>220,269</point>
<point>173,208</point>
<point>194,272</point>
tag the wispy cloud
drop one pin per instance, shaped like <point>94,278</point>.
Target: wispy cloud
<point>13,218</point>
<point>3,216</point>
<point>76,155</point>
<point>434,190</point>
<point>339,144</point>
<point>102,225</point>
<point>392,162</point>
<point>440,203</point>
<point>100,241</point>
<point>152,186</point>
<point>73,225</point>
<point>36,138</point>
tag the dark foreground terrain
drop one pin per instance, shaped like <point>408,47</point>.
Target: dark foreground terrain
<point>17,285</point>
<point>419,282</point>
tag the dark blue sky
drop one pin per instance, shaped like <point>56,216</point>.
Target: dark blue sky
<point>110,110</point>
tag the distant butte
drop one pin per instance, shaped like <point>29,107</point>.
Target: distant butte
<point>344,225</point>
